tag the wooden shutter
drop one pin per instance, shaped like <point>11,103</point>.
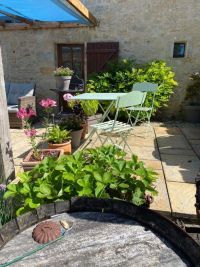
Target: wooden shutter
<point>98,54</point>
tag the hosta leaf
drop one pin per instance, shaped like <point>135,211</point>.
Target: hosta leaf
<point>67,189</point>
<point>9,194</point>
<point>107,177</point>
<point>98,176</point>
<point>25,189</point>
<point>68,176</point>
<point>45,189</point>
<point>113,186</point>
<point>60,167</point>
<point>123,185</point>
<point>31,203</point>
<point>99,188</point>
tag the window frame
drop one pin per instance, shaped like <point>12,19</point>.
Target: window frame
<point>59,55</point>
<point>185,47</point>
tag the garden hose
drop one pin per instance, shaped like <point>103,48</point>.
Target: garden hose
<point>29,253</point>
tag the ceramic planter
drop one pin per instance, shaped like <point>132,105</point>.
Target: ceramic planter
<point>67,147</point>
<point>63,82</point>
<point>28,163</point>
<point>76,138</point>
<point>192,113</point>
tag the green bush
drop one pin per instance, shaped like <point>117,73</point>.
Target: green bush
<point>121,76</point>
<point>103,173</point>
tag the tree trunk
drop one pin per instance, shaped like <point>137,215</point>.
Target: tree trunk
<point>6,156</point>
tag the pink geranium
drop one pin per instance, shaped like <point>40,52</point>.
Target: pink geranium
<point>67,97</point>
<point>30,132</point>
<point>25,113</point>
<point>48,103</point>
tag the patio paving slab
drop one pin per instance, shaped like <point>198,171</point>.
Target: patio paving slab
<point>176,151</point>
<point>191,133</point>
<point>154,164</point>
<point>194,141</point>
<point>135,140</point>
<point>149,153</point>
<point>182,198</point>
<point>196,149</point>
<point>143,131</point>
<point>180,168</point>
<point>176,141</point>
<point>160,131</point>
<point>161,201</point>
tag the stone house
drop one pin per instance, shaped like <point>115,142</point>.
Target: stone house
<point>144,30</point>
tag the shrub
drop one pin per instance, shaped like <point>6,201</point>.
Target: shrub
<point>103,173</point>
<point>121,76</point>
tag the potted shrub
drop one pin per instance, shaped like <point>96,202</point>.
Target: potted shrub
<point>73,124</point>
<point>82,109</point>
<point>64,77</point>
<point>59,139</point>
<point>192,98</point>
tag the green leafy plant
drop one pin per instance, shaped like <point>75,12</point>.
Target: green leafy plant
<point>121,76</point>
<point>72,123</point>
<point>6,207</point>
<point>193,90</point>
<point>103,173</point>
<point>83,109</point>
<point>62,71</point>
<point>56,135</point>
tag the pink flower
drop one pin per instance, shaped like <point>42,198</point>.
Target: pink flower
<point>30,132</point>
<point>47,103</point>
<point>25,113</point>
<point>67,97</point>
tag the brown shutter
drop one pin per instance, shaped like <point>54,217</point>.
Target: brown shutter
<point>98,54</point>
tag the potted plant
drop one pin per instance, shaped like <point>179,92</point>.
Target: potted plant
<point>74,125</point>
<point>59,139</point>
<point>82,109</point>
<point>192,99</point>
<point>36,155</point>
<point>64,75</point>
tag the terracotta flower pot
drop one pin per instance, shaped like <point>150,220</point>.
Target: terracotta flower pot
<point>29,163</point>
<point>76,138</point>
<point>67,147</point>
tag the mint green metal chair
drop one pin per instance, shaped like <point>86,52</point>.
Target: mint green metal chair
<point>140,112</point>
<point>108,130</point>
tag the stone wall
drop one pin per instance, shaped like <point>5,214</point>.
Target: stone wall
<point>146,30</point>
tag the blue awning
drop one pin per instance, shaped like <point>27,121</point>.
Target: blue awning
<point>42,11</point>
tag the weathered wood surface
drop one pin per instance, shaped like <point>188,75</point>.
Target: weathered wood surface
<point>96,239</point>
<point>6,157</point>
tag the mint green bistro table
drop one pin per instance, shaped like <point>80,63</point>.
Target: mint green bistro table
<point>111,97</point>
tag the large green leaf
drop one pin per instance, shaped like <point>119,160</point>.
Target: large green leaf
<point>99,189</point>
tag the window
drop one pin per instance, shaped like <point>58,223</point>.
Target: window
<point>72,56</point>
<point>179,50</point>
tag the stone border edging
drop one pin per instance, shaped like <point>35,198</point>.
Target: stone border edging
<point>156,222</point>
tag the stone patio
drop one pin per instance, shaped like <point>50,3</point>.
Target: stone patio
<point>172,149</point>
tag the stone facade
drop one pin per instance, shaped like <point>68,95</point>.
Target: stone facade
<point>146,30</point>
